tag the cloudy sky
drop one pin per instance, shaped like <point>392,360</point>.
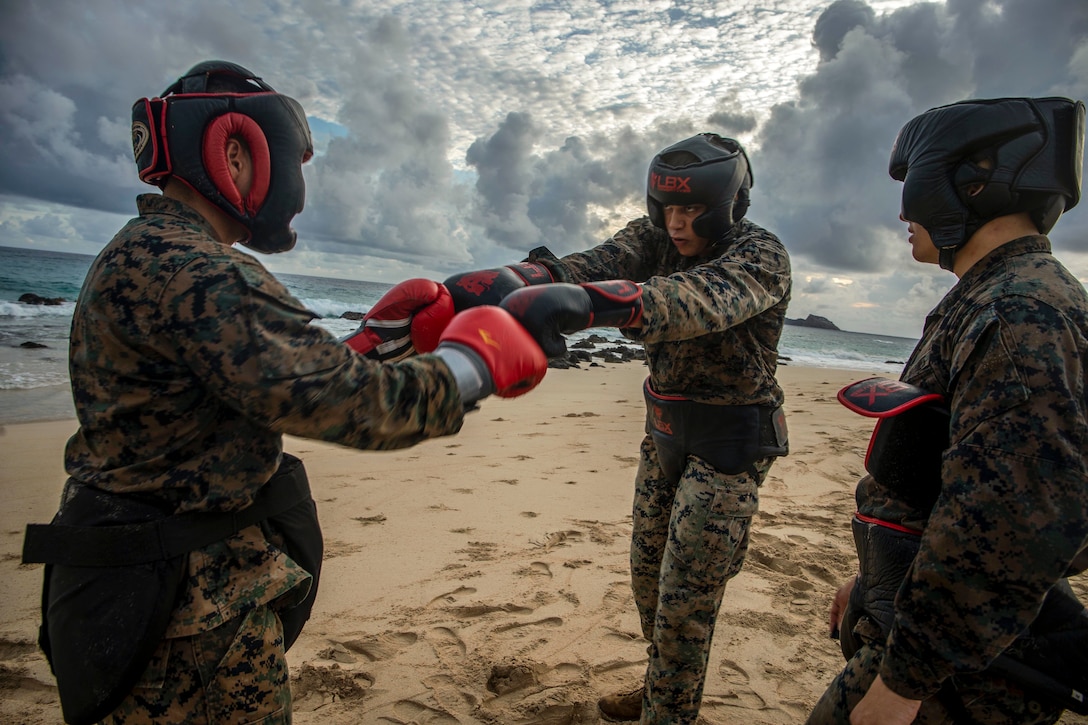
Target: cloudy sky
<point>458,135</point>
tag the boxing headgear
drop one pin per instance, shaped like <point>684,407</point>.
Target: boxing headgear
<point>1034,147</point>
<point>183,135</point>
<point>705,169</point>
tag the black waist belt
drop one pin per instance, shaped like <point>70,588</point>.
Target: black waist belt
<point>158,540</point>
<point>731,438</point>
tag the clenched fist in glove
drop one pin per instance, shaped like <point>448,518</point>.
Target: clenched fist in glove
<point>550,311</point>
<point>489,352</point>
<point>407,319</point>
<point>489,286</point>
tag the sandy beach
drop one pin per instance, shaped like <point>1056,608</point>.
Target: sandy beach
<point>483,578</point>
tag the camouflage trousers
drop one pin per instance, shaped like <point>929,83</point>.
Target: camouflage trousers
<point>981,699</point>
<point>233,674</point>
<point>690,538</point>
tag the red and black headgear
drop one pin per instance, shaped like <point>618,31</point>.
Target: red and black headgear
<point>704,169</point>
<point>183,135</point>
<point>1034,147</point>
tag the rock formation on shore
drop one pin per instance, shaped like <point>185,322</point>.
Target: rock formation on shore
<point>813,321</point>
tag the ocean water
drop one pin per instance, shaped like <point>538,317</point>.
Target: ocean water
<point>33,381</point>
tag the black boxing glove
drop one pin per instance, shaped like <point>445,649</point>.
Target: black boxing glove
<point>490,286</point>
<point>550,311</point>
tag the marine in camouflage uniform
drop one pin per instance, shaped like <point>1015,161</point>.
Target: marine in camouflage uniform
<point>188,364</point>
<point>1007,348</point>
<point>710,325</point>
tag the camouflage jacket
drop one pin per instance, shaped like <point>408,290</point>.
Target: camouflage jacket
<point>1008,348</point>
<point>188,363</point>
<point>710,324</point>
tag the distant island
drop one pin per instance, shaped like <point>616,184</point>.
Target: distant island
<point>813,321</point>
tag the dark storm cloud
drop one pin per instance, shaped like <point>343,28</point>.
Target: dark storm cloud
<point>566,198</point>
<point>823,157</point>
<point>835,22</point>
<point>66,89</point>
<point>387,186</point>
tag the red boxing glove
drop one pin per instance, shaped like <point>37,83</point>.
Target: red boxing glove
<point>489,286</point>
<point>409,318</point>
<point>503,358</point>
<point>550,311</point>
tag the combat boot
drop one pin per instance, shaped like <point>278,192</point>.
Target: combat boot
<point>622,706</point>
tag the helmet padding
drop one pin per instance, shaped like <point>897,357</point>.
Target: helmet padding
<point>184,135</point>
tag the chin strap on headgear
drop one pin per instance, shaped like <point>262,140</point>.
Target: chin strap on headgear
<point>183,135</point>
<point>704,169</point>
<point>1034,147</point>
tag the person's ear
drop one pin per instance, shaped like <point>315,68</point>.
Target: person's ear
<point>238,161</point>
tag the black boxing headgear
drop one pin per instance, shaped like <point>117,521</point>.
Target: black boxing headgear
<point>1034,148</point>
<point>184,133</point>
<point>705,169</point>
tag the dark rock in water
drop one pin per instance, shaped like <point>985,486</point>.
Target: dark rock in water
<point>32,299</point>
<point>622,354</point>
<point>816,321</point>
<point>33,345</point>
<point>894,362</point>
<point>349,315</point>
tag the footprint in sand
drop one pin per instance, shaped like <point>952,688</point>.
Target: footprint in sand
<point>536,568</point>
<point>739,689</point>
<point>450,597</point>
<point>561,673</point>
<point>546,622</point>
<point>616,675</point>
<point>446,643</point>
<point>792,697</point>
<point>558,538</point>
<point>618,595</point>
<point>382,646</point>
<point>799,591</point>
<point>410,712</point>
<point>479,610</point>
<point>449,695</point>
<point>626,636</point>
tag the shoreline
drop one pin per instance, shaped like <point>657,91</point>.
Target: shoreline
<point>36,405</point>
